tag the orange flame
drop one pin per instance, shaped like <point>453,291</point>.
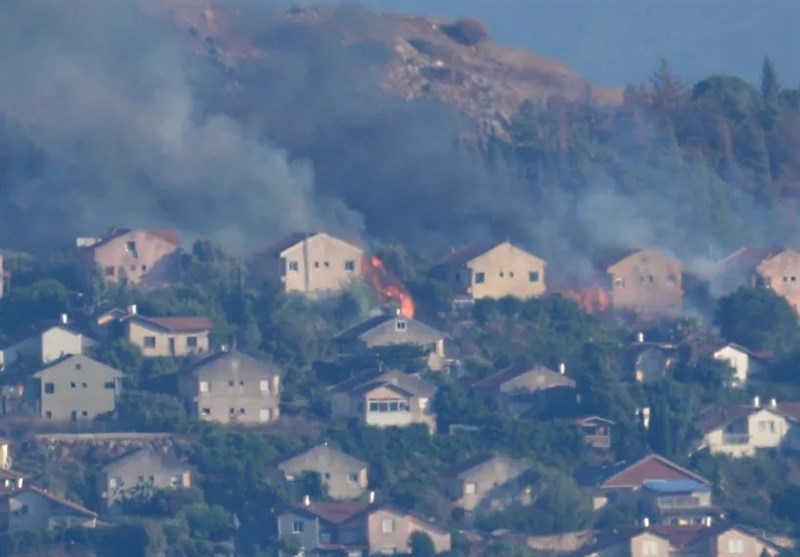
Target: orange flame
<point>391,291</point>
<point>592,299</point>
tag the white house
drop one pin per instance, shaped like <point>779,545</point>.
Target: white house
<point>745,363</point>
<point>43,343</point>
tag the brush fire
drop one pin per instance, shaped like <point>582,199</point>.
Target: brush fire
<point>592,299</point>
<point>388,287</point>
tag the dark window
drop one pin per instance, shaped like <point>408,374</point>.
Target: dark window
<point>230,383</point>
<point>108,385</point>
<point>294,266</point>
<point>327,264</point>
<point>241,410</point>
<point>480,278</point>
<point>149,342</point>
<point>144,267</point>
<point>84,413</point>
<point>49,388</point>
<point>48,414</point>
<point>533,276</point>
<point>84,385</point>
<point>316,264</point>
<point>191,342</point>
<point>77,366</point>
<point>130,246</point>
<point>349,265</point>
<point>73,385</point>
<point>109,271</point>
<point>400,326</point>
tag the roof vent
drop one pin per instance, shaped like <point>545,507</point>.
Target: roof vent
<point>306,500</point>
<point>773,403</point>
<point>64,318</point>
<point>132,309</point>
<point>371,496</point>
<point>562,368</point>
<point>646,522</point>
<point>756,402</point>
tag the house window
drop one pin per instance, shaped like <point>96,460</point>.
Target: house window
<point>297,527</point>
<point>108,271</point>
<point>84,413</point>
<point>241,411</point>
<point>533,276</point>
<point>470,488</point>
<point>77,366</point>
<point>84,385</point>
<point>205,412</point>
<point>149,342</point>
<point>191,342</point>
<point>49,388</point>
<point>175,481</point>
<point>327,475</point>
<point>327,264</point>
<point>349,265</point>
<point>144,267</point>
<point>649,547</point>
<point>766,426</point>
<point>619,282</point>
<point>264,386</point>
<point>204,386</point>
<point>316,264</point>
<point>480,278</point>
<point>736,546</point>
<point>352,477</point>
<point>230,383</point>
<point>400,325</point>
<point>294,266</point>
<point>130,247</point>
<point>501,274</point>
<point>48,414</point>
<point>511,274</point>
<point>108,385</point>
<point>73,385</point>
<point>387,525</point>
<point>231,411</point>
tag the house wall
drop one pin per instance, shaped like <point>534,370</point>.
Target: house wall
<point>782,274</point>
<point>487,479</point>
<point>419,410</point>
<point>245,394</point>
<point>758,436</point>
<point>506,272</point>
<point>5,456</point>
<point>334,472</point>
<point>154,262</point>
<point>727,542</point>
<point>57,342</point>
<point>743,365</point>
<point>143,468</point>
<point>136,331</point>
<point>78,394</point>
<point>35,519</point>
<point>309,537</point>
<point>638,293</point>
<point>381,542</point>
<point>638,545</point>
<point>321,265</point>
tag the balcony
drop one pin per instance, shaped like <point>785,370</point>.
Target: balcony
<point>679,502</point>
<point>735,438</point>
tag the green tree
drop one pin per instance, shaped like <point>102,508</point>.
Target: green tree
<point>421,545</point>
<point>770,88</point>
<point>122,355</point>
<point>758,319</point>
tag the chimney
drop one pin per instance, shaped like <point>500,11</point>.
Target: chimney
<point>371,496</point>
<point>132,309</point>
<point>646,522</point>
<point>639,337</point>
<point>562,368</point>
<point>397,312</point>
<point>306,500</point>
<point>773,403</point>
<point>64,318</point>
<point>756,402</point>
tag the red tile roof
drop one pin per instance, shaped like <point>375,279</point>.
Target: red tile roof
<point>714,417</point>
<point>651,467</point>
<point>179,324</point>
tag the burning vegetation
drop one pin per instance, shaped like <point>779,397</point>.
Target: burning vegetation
<point>592,299</point>
<point>388,287</point>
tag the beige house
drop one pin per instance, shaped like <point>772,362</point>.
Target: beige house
<point>493,271</point>
<point>745,363</point>
<point>33,509</point>
<point>385,399</point>
<point>76,388</point>
<point>232,387</point>
<point>139,473</point>
<point>168,337</point>
<point>389,530</point>
<point>776,268</point>
<point>344,476</point>
<point>488,483</point>
<point>311,263</point>
<point>595,431</point>
<point>523,388</point>
<point>148,258</point>
<point>747,430</point>
<point>5,454</point>
<point>648,283</point>
<point>43,343</point>
<point>678,541</point>
<point>388,330</point>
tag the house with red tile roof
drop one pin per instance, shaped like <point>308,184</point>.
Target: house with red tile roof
<point>36,510</point>
<point>776,268</point>
<point>147,258</point>
<point>745,430</point>
<point>174,337</point>
<point>493,271</point>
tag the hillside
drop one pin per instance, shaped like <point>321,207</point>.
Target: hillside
<point>245,122</point>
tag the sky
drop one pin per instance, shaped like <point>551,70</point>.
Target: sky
<point>614,42</point>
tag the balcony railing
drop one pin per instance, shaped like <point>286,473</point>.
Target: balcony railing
<point>679,502</point>
<point>736,438</point>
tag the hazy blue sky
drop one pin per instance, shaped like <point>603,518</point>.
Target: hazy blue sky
<point>614,42</point>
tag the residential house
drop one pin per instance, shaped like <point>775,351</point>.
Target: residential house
<point>484,271</point>
<point>147,258</point>
<point>138,473</point>
<point>647,361</point>
<point>43,343</point>
<point>488,483</point>
<point>674,494</point>
<point>387,399</point>
<point>678,541</point>
<point>173,337</point>
<point>595,431</point>
<point>775,268</point>
<point>36,510</point>
<point>76,388</point>
<point>232,387</point>
<point>344,476</point>
<point>745,430</point>
<point>326,529</point>
<point>648,283</point>
<point>5,454</point>
<point>745,363</point>
<point>311,263</point>
<point>390,529</point>
<point>525,388</point>
<point>390,330</point>
<point>9,479</point>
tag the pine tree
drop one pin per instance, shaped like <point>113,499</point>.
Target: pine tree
<point>770,88</point>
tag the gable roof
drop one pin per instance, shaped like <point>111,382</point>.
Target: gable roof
<point>359,329</point>
<point>75,360</point>
<point>714,417</point>
<point>746,259</point>
<point>53,498</point>
<point>477,462</point>
<point>376,328</point>
<point>465,253</point>
<point>144,454</point>
<point>411,384</point>
<point>320,453</point>
<point>638,252</point>
<point>225,360</point>
<point>334,512</point>
<point>167,235</point>
<point>651,467</point>
<point>420,520</point>
<point>276,248</point>
<point>40,327</point>
<point>711,349</point>
<point>496,380</point>
<point>194,324</point>
<point>588,420</point>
